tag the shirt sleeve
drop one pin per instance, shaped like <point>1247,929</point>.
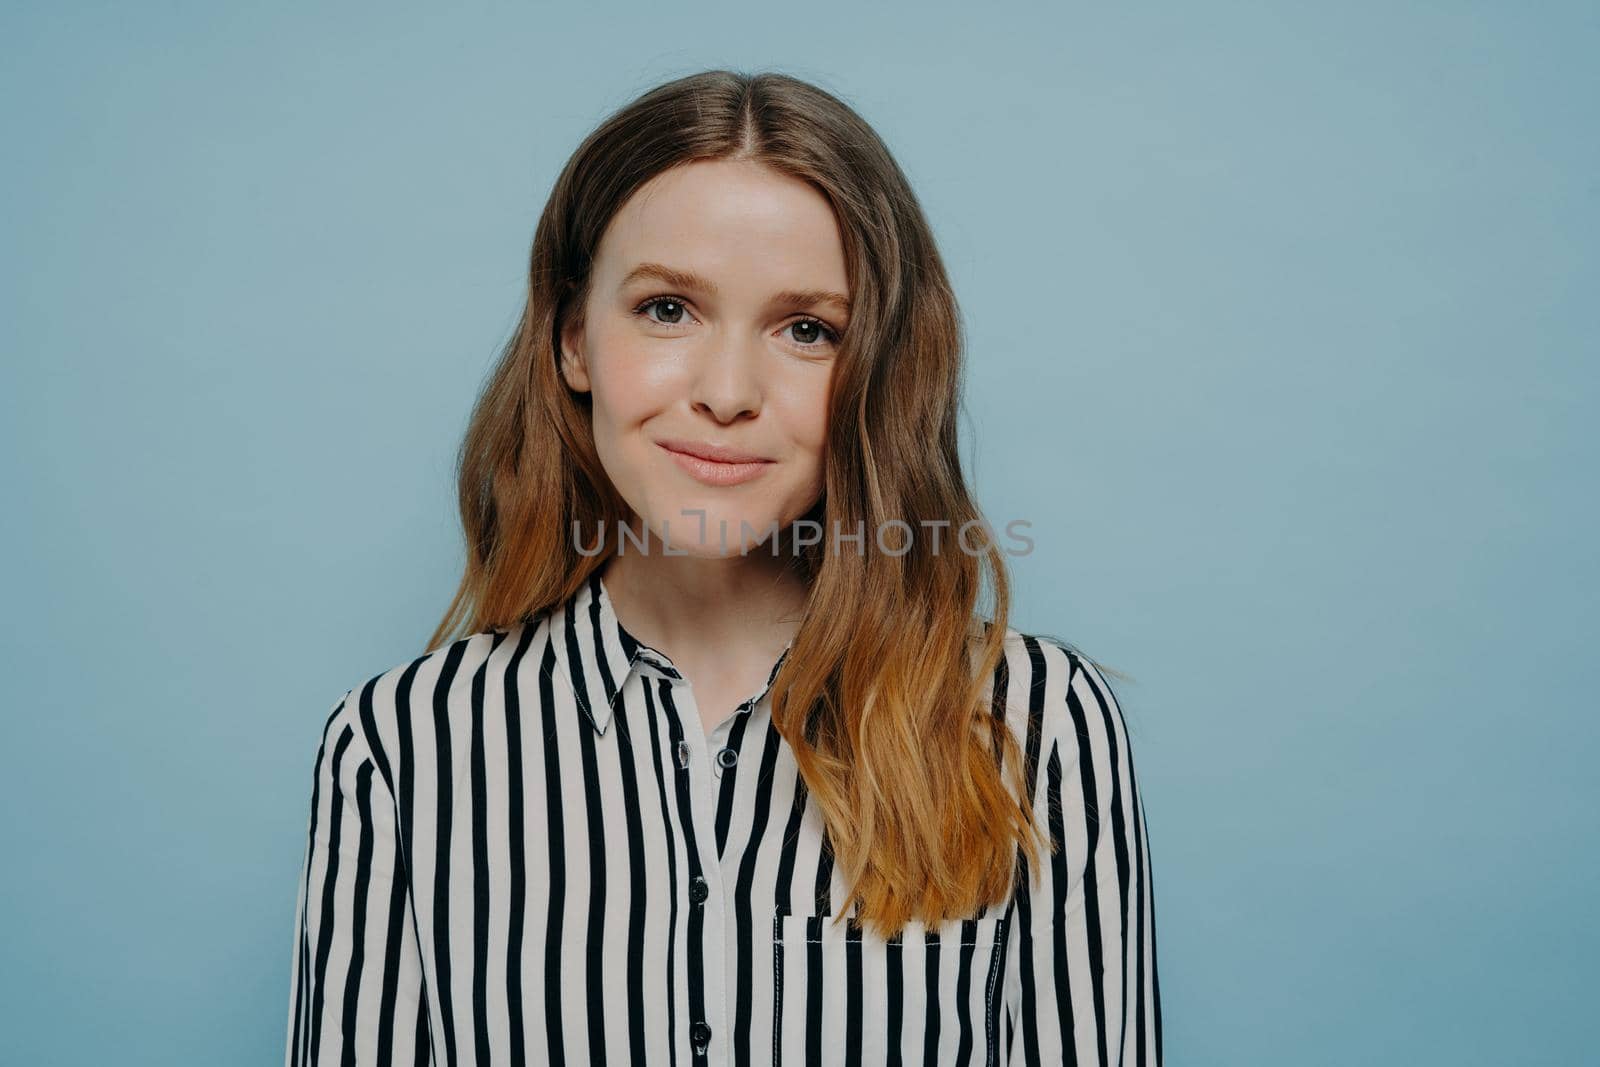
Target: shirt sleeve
<point>1085,988</point>
<point>356,982</point>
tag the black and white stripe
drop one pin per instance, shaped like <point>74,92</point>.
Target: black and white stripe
<point>522,849</point>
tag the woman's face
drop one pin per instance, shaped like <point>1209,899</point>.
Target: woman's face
<point>712,326</point>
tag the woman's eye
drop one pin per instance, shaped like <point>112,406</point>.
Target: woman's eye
<point>809,331</point>
<point>672,309</point>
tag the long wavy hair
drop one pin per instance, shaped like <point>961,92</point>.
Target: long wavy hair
<point>883,695</point>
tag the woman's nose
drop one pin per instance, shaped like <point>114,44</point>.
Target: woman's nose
<point>727,380</point>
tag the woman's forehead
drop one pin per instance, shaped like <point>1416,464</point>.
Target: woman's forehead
<point>725,223</point>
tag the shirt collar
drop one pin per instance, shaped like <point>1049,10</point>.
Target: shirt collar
<point>596,654</point>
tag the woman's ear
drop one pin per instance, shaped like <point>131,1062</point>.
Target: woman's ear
<point>574,367</point>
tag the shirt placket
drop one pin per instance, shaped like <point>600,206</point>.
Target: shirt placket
<point>723,761</point>
<point>703,761</point>
<point>709,1035</point>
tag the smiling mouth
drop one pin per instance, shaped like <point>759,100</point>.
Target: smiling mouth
<point>716,472</point>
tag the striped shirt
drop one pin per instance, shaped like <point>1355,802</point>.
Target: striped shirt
<point>524,848</point>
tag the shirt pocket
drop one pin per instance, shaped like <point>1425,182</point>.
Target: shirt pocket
<point>844,995</point>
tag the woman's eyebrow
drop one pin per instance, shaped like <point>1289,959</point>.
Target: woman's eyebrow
<point>678,279</point>
<point>808,297</point>
<point>689,280</point>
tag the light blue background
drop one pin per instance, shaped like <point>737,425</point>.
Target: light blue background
<point>1282,328</point>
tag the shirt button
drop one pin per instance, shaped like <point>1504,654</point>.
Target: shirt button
<point>728,757</point>
<point>701,1033</point>
<point>698,890</point>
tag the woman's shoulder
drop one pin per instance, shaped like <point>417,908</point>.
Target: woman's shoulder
<point>1056,693</point>
<point>389,708</point>
<point>1038,663</point>
<point>1069,722</point>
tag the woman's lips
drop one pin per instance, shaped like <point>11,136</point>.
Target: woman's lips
<point>713,473</point>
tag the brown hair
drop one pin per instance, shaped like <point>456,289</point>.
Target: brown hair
<point>887,720</point>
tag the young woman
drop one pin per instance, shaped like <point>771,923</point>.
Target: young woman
<point>712,759</point>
